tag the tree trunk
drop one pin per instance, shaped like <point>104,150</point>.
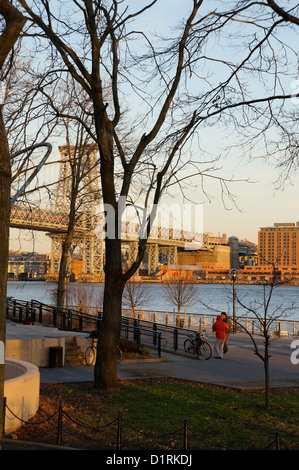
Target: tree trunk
<point>267,384</point>
<point>105,374</point>
<point>266,370</point>
<point>66,246</point>
<point>5,181</point>
<point>63,270</point>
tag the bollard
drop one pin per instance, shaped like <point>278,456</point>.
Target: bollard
<point>175,339</point>
<point>126,325</point>
<point>54,316</point>
<point>155,328</point>
<point>69,319</point>
<point>277,444</point>
<point>63,320</point>
<point>119,430</point>
<point>185,434</point>
<point>135,324</point>
<point>20,315</point>
<point>138,336</point>
<point>40,313</point>
<point>59,424</point>
<point>33,315</point>
<point>4,413</point>
<point>159,344</point>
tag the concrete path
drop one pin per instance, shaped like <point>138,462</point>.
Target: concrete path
<point>240,368</point>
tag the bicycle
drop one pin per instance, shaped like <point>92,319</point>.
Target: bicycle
<point>91,352</point>
<point>198,345</point>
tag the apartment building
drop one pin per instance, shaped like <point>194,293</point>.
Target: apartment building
<point>279,245</point>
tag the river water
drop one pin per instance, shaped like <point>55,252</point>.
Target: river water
<point>208,298</point>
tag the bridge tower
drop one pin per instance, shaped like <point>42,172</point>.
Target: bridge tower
<point>86,236</point>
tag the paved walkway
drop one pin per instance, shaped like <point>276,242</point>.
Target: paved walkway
<point>240,368</point>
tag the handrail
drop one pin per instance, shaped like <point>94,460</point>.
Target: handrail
<point>66,318</point>
<point>159,333</point>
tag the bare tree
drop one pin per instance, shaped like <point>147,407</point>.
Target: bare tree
<point>79,144</point>
<point>104,24</point>
<point>98,43</point>
<point>265,117</point>
<point>266,313</point>
<point>36,108</point>
<point>135,294</point>
<point>12,24</point>
<point>178,290</point>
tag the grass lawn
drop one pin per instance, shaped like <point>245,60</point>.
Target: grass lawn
<point>153,414</point>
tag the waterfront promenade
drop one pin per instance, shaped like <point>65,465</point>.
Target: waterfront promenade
<point>240,369</point>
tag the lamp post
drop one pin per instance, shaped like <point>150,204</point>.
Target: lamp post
<point>234,277</point>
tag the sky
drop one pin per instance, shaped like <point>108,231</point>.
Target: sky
<point>258,204</point>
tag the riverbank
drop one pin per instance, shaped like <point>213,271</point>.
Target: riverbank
<point>145,280</point>
<point>208,298</point>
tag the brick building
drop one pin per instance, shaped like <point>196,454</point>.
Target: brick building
<point>279,247</point>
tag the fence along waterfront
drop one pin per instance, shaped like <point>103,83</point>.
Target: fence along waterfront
<point>156,325</point>
<point>70,319</point>
<point>204,321</point>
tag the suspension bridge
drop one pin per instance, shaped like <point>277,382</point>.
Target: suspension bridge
<point>89,224</point>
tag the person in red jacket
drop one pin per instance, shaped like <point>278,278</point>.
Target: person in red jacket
<point>220,328</point>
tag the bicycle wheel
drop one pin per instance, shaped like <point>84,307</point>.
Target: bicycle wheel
<point>90,356</point>
<point>188,346</point>
<point>119,355</point>
<point>205,350</point>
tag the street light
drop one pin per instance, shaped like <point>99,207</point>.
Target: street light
<point>234,277</point>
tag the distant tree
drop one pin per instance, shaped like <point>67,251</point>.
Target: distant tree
<point>135,294</point>
<point>178,290</point>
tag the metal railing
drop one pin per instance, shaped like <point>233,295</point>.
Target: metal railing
<point>138,326</point>
<point>157,335</point>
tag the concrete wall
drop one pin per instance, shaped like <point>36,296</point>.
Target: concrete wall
<point>35,351</point>
<point>21,389</point>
